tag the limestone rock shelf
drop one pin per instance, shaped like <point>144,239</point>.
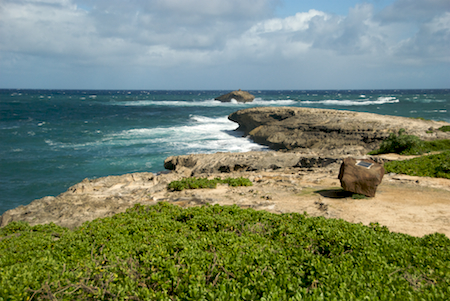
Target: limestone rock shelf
<point>328,131</point>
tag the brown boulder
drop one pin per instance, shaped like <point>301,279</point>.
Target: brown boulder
<point>240,96</point>
<point>361,176</point>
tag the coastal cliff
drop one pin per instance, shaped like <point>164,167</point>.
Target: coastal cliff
<point>302,177</point>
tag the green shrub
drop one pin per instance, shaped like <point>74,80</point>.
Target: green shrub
<point>437,166</point>
<point>235,182</point>
<point>196,183</point>
<point>445,128</point>
<point>436,145</point>
<point>164,252</point>
<point>409,145</point>
<point>420,118</point>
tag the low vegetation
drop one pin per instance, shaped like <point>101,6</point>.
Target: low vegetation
<point>164,252</point>
<point>445,128</point>
<point>409,145</point>
<point>197,183</point>
<point>436,166</point>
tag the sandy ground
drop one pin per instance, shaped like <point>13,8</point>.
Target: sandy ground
<point>413,205</point>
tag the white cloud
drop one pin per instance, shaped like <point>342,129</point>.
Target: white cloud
<point>430,44</point>
<point>212,35</point>
<point>298,22</point>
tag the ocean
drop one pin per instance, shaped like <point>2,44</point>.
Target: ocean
<point>53,139</point>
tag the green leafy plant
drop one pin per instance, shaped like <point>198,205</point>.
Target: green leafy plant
<point>437,166</point>
<point>197,183</point>
<point>445,128</point>
<point>420,118</point>
<point>400,144</point>
<point>164,252</point>
<point>409,145</point>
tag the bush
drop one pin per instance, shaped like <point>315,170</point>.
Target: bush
<point>437,166</point>
<point>196,183</point>
<point>445,128</point>
<point>164,252</point>
<point>409,145</point>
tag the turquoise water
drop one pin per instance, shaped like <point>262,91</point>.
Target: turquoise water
<point>52,139</point>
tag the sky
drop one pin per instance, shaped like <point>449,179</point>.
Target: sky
<point>224,44</point>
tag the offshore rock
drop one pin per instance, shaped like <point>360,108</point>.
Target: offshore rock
<point>239,96</point>
<point>330,132</point>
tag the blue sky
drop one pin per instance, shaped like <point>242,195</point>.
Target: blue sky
<point>217,44</point>
<point>341,7</point>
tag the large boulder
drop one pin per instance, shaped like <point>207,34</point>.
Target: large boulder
<point>361,176</point>
<point>239,96</point>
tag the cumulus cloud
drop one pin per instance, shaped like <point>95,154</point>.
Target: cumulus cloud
<point>208,35</point>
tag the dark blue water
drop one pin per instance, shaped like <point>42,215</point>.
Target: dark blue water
<point>52,139</point>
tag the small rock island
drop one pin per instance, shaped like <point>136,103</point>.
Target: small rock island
<point>239,96</point>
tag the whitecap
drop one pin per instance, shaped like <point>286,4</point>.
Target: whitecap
<point>435,111</point>
<point>348,102</point>
<point>201,135</point>
<point>204,103</point>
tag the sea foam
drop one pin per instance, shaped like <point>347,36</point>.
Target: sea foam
<point>359,102</point>
<point>205,103</point>
<point>201,135</point>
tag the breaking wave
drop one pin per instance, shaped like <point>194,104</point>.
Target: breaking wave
<point>356,102</point>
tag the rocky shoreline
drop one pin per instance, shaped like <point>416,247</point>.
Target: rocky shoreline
<point>300,177</point>
<point>328,132</point>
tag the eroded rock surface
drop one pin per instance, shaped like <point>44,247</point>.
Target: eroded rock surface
<point>91,199</point>
<point>412,205</point>
<point>198,164</point>
<point>304,180</point>
<point>328,132</point>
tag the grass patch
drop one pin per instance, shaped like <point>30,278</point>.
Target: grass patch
<point>420,118</point>
<point>436,166</point>
<point>198,183</point>
<point>409,145</point>
<point>357,196</point>
<point>445,128</point>
<point>307,191</point>
<point>164,252</point>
